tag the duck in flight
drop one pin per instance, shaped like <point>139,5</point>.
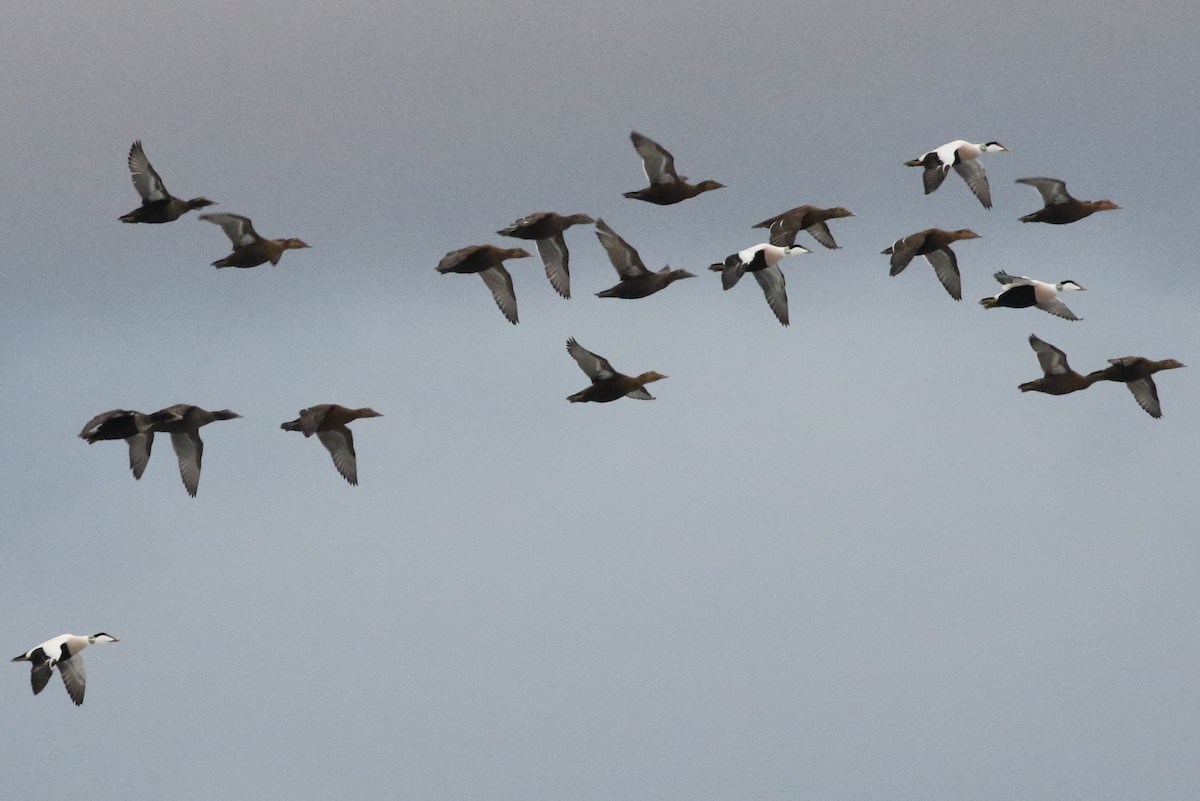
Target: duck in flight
<point>62,652</point>
<point>963,157</point>
<point>666,185</point>
<point>158,205</point>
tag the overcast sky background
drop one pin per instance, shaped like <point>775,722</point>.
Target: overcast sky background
<point>841,560</point>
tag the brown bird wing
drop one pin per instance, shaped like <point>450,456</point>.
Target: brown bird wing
<point>946,266</point>
<point>596,367</point>
<point>500,283</point>
<point>622,255</point>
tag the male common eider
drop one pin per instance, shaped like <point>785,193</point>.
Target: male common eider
<point>636,281</point>
<point>488,262</point>
<point>1060,207</point>
<point>934,245</point>
<point>158,205</point>
<point>666,185</point>
<point>1021,292</point>
<point>328,421</point>
<point>961,155</point>
<point>763,261</point>
<point>62,652</point>
<point>784,227</point>
<point>249,249</point>
<point>546,229</point>
<point>607,383</point>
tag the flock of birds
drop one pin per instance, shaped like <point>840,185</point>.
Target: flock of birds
<point>546,229</point>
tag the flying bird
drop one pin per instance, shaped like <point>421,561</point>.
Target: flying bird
<point>763,261</point>
<point>546,229</point>
<point>961,155</point>
<point>934,245</point>
<point>488,262</point>
<point>1021,292</point>
<point>1060,207</point>
<point>607,384</point>
<point>185,439</point>
<point>784,227</point>
<point>135,428</point>
<point>158,205</point>
<point>666,185</point>
<point>328,421</point>
<point>1058,378</point>
<point>636,280</point>
<point>249,249</point>
<point>1134,372</point>
<point>62,652</point>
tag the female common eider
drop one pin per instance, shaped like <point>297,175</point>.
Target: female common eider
<point>607,383</point>
<point>666,185</point>
<point>1021,292</point>
<point>1058,378</point>
<point>328,421</point>
<point>488,262</point>
<point>158,205</point>
<point>1060,207</point>
<point>546,229</point>
<point>185,439</point>
<point>934,245</point>
<point>135,428</point>
<point>961,155</point>
<point>784,227</point>
<point>249,249</point>
<point>762,260</point>
<point>62,652</point>
<point>636,280</point>
<point>1134,372</point>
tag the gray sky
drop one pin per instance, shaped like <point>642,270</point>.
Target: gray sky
<point>842,560</point>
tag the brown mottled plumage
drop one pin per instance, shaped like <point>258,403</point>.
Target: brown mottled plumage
<point>1134,372</point>
<point>934,245</point>
<point>607,383</point>
<point>1061,208</point>
<point>328,421</point>
<point>1059,378</point>
<point>784,227</point>
<point>249,249</point>
<point>546,229</point>
<point>488,262</point>
<point>666,185</point>
<point>158,205</point>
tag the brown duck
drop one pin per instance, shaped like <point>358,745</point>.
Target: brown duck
<point>1134,372</point>
<point>784,227</point>
<point>158,205</point>
<point>1059,378</point>
<point>1060,207</point>
<point>666,185</point>
<point>934,245</point>
<point>636,280</point>
<point>135,428</point>
<point>185,439</point>
<point>249,249</point>
<point>607,383</point>
<point>546,229</point>
<point>328,421</point>
<point>488,262</point>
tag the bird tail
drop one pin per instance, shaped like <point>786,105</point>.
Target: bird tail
<point>577,397</point>
<point>914,163</point>
<point>988,303</point>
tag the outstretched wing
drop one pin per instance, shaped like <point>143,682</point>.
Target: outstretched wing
<point>622,255</point>
<point>596,367</point>
<point>236,227</point>
<point>656,161</point>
